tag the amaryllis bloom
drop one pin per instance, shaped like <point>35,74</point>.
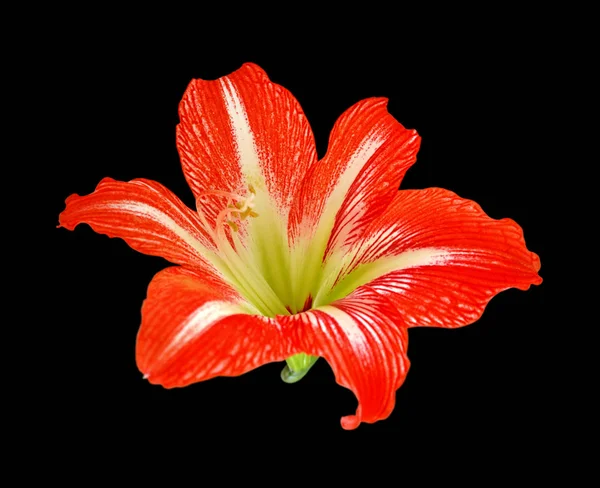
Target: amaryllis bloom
<point>287,257</point>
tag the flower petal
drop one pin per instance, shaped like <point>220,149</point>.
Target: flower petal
<point>369,152</point>
<point>243,129</point>
<point>149,217</point>
<point>439,258</point>
<point>362,339</point>
<point>195,327</point>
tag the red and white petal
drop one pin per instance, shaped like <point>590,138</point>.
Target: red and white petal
<point>148,216</point>
<point>243,129</point>
<point>195,327</point>
<point>441,259</point>
<point>369,152</point>
<point>362,339</point>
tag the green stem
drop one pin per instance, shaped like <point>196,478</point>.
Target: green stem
<point>297,366</point>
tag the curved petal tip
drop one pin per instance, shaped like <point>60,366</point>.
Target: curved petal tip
<point>350,422</point>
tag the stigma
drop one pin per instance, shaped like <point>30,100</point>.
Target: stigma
<point>238,206</point>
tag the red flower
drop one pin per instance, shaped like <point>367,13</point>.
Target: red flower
<point>290,258</point>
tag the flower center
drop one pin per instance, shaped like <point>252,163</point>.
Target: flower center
<point>241,260</point>
<point>252,251</point>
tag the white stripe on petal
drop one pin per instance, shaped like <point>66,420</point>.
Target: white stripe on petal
<point>361,156</point>
<point>352,331</point>
<point>241,133</point>
<point>365,273</point>
<point>144,210</point>
<point>198,322</point>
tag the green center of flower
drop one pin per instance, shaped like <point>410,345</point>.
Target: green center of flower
<point>253,252</point>
<point>235,259</point>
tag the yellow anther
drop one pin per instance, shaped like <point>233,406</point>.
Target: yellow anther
<point>245,213</point>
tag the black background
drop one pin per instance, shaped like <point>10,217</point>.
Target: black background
<point>476,107</point>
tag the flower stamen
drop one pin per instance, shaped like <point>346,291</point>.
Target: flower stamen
<point>238,207</point>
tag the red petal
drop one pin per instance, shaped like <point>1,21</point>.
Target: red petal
<point>450,258</point>
<point>195,327</point>
<point>361,339</point>
<point>149,217</point>
<point>369,152</point>
<point>243,124</point>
